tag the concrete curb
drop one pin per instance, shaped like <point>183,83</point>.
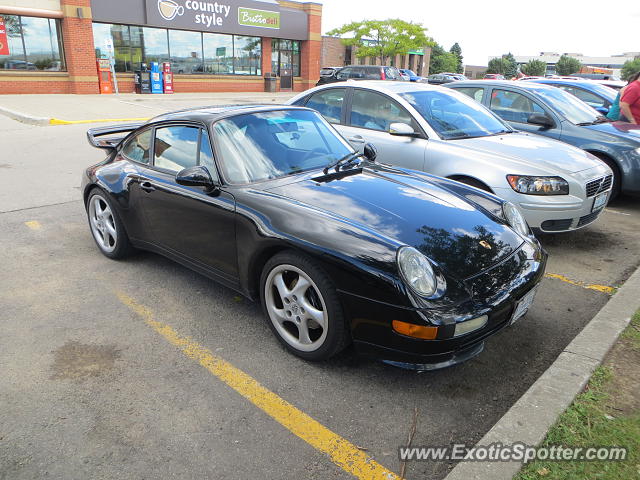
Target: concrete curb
<point>21,117</point>
<point>530,418</point>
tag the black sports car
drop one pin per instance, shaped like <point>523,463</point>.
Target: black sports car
<point>274,203</point>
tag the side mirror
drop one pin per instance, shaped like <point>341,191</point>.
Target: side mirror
<point>402,130</point>
<point>370,152</point>
<point>197,176</point>
<point>540,119</point>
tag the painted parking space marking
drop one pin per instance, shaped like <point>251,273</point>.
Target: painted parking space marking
<point>343,453</point>
<point>619,213</point>
<point>590,286</point>
<point>33,225</point>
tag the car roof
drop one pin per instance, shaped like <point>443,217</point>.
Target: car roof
<point>388,86</point>
<point>214,112</point>
<point>528,85</point>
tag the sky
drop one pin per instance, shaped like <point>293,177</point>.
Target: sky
<point>494,27</point>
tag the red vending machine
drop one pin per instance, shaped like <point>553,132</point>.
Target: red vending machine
<point>168,77</point>
<point>104,76</point>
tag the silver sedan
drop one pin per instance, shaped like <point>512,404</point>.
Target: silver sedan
<point>436,130</point>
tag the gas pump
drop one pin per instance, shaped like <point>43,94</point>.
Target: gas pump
<point>156,78</point>
<point>104,75</point>
<point>168,77</point>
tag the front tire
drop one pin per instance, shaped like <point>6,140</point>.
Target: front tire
<point>302,306</point>
<point>106,227</point>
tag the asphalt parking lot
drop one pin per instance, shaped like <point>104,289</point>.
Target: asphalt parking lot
<point>144,369</point>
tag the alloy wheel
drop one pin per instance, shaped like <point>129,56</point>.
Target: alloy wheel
<point>296,308</point>
<point>103,225</point>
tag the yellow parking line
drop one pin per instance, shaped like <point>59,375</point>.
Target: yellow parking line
<point>57,121</point>
<point>590,286</point>
<point>343,453</point>
<point>33,225</point>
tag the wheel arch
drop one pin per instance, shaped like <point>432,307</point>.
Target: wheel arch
<point>460,178</point>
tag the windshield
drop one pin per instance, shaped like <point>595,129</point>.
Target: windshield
<point>273,144</point>
<point>572,108</point>
<point>454,115</point>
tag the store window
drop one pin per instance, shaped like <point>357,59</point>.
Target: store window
<point>285,55</point>
<point>34,44</point>
<point>186,51</point>
<point>189,52</point>
<point>218,53</point>
<point>247,54</point>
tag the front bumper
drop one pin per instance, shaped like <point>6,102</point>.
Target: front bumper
<point>561,213</point>
<point>494,293</point>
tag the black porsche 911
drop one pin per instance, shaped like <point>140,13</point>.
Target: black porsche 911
<point>275,204</point>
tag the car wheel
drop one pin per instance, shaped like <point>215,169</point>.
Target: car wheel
<point>617,179</point>
<point>302,306</point>
<point>106,227</point>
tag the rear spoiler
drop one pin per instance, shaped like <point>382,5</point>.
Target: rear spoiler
<point>114,135</point>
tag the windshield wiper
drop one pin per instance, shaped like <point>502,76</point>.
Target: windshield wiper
<point>348,158</point>
<point>600,119</point>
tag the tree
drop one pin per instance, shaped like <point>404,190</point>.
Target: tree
<point>497,65</point>
<point>383,38</point>
<point>629,68</point>
<point>535,68</point>
<point>511,66</point>
<point>567,65</point>
<point>505,65</point>
<point>457,51</point>
<point>442,61</point>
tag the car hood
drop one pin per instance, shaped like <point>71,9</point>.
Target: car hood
<point>524,149</point>
<point>407,210</point>
<point>620,129</point>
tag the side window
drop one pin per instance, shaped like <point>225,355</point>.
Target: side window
<point>358,73</point>
<point>371,73</point>
<point>474,92</point>
<point>512,106</point>
<point>206,155</point>
<point>377,112</point>
<point>588,97</point>
<point>344,73</point>
<point>176,148</point>
<point>137,149</point>
<point>328,103</point>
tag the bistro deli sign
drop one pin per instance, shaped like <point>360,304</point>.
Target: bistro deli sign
<point>211,15</point>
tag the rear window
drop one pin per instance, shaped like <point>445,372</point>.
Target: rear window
<point>327,72</point>
<point>372,73</point>
<point>391,73</point>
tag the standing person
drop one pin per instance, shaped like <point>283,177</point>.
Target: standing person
<point>614,110</point>
<point>630,102</point>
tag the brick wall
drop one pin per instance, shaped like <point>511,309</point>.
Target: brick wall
<point>333,53</point>
<point>77,37</point>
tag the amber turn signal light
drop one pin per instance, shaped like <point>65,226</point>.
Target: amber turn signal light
<point>416,331</point>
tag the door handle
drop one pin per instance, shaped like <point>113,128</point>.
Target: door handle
<point>356,139</point>
<point>147,186</point>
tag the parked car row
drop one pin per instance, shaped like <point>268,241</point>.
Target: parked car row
<point>393,215</point>
<point>554,113</point>
<point>444,133</point>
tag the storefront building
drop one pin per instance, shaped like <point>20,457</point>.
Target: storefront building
<point>51,46</point>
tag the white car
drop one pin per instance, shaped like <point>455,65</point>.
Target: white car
<point>423,127</point>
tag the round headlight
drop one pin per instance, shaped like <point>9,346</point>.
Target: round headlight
<point>515,218</point>
<point>417,271</point>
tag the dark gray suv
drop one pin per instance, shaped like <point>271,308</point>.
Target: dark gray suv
<point>363,72</point>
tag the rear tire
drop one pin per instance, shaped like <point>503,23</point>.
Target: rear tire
<point>302,306</point>
<point>106,226</point>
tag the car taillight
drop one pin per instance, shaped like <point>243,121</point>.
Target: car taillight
<point>382,75</point>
